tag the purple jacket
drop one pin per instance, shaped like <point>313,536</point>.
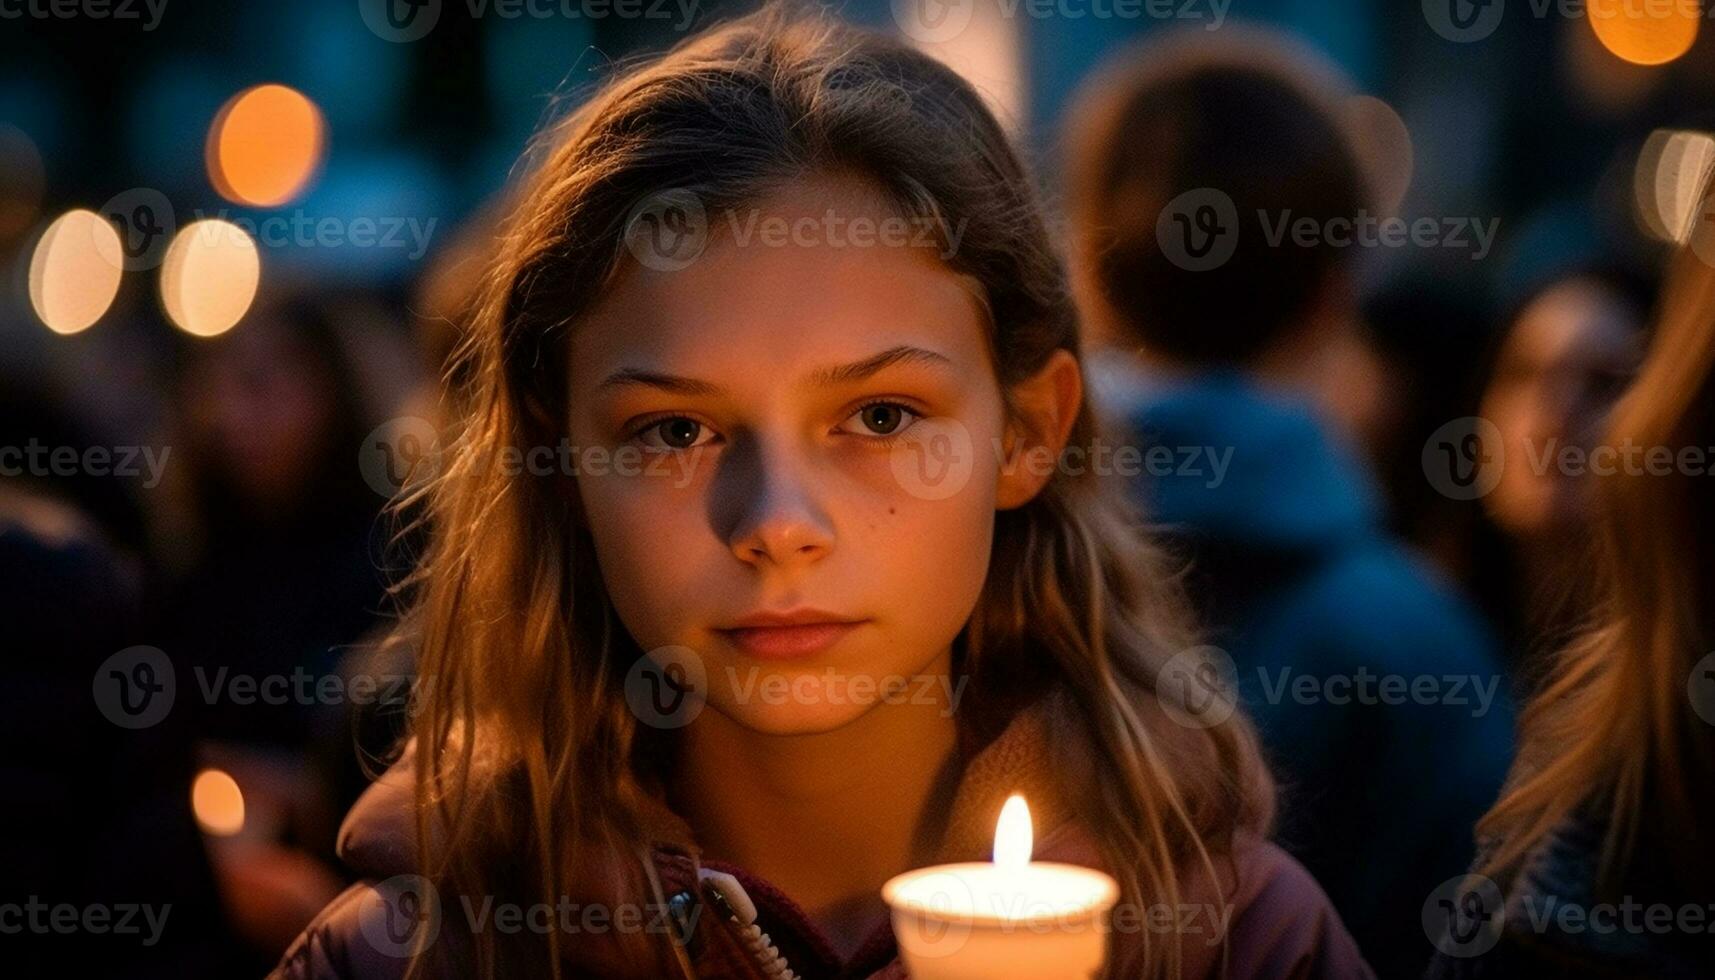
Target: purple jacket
<point>732,925</point>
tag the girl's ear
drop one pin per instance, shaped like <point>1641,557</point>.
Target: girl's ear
<point>1044,407</point>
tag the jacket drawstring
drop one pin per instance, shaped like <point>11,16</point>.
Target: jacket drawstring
<point>733,902</point>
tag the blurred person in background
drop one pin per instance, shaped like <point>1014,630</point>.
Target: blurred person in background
<point>1570,348</point>
<point>1194,145</point>
<point>32,413</point>
<point>99,816</point>
<point>1424,330</point>
<point>274,567</point>
<point>1605,822</point>
<point>272,572</point>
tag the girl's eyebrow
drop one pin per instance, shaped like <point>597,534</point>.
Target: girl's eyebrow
<point>838,374</point>
<point>859,370</point>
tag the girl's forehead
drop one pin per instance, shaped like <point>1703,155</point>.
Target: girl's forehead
<point>809,275</point>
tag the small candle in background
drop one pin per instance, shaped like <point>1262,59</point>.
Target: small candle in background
<point>218,803</point>
<point>1007,918</point>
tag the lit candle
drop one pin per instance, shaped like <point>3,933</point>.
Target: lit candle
<point>1011,917</point>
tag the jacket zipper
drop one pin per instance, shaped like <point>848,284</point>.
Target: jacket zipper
<point>728,897</point>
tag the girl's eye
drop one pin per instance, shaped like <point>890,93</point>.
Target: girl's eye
<point>675,433</point>
<point>879,419</point>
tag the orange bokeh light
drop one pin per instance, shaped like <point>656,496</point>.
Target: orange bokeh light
<point>1645,32</point>
<point>265,146</point>
<point>218,803</point>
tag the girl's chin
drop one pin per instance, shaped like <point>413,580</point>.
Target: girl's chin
<point>792,718</point>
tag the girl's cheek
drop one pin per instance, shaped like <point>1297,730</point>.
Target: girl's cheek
<point>650,473</point>
<point>938,460</point>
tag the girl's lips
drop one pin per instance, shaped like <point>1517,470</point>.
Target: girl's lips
<point>788,642</point>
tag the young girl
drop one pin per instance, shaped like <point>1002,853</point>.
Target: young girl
<point>757,577</point>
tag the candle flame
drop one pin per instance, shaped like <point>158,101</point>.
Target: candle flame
<point>1013,836</point>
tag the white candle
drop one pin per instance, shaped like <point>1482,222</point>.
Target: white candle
<point>1011,917</point>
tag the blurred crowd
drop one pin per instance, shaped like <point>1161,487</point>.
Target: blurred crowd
<point>1349,518</point>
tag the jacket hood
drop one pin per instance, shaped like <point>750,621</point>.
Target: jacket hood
<point>1248,465</point>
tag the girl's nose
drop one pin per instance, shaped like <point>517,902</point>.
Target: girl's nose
<point>780,521</point>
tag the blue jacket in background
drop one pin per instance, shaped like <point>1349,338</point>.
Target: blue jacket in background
<point>1299,582</point>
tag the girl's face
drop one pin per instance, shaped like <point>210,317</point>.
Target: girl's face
<point>801,483</point>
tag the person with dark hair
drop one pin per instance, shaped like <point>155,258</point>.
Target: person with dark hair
<point>1216,203</point>
<point>1423,330</point>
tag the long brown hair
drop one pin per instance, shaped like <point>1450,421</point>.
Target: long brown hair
<point>522,654</point>
<point>1612,734</point>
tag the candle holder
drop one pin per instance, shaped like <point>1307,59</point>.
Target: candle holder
<point>1011,917</point>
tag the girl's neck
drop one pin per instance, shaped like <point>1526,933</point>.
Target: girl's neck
<point>826,817</point>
